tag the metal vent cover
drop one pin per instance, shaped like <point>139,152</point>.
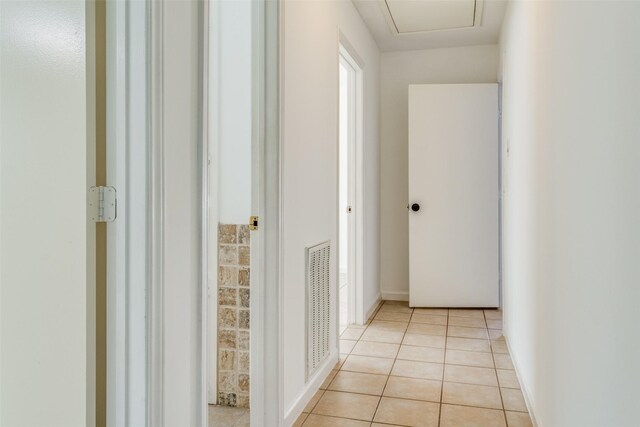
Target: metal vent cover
<point>318,292</point>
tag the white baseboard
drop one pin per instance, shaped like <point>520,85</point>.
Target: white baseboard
<point>525,393</point>
<point>373,308</point>
<point>312,386</point>
<point>395,296</point>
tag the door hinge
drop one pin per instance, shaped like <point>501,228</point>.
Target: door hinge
<point>103,203</point>
<point>253,223</point>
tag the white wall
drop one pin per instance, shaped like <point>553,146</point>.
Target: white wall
<point>310,161</point>
<point>232,126</point>
<point>475,64</point>
<point>357,40</point>
<point>571,208</point>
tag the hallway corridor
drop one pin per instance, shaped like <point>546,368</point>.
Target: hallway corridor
<point>421,367</point>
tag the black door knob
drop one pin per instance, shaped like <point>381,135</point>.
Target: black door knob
<point>415,207</point>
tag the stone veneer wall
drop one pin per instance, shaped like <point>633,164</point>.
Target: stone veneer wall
<point>233,314</point>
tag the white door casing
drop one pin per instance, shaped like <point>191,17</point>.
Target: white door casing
<point>453,177</point>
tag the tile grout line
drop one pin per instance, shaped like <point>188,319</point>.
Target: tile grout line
<point>495,369</point>
<point>444,365</point>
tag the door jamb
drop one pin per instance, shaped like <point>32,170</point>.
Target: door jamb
<point>347,52</point>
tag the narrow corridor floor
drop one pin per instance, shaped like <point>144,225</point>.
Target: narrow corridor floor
<point>421,367</point>
<point>226,416</point>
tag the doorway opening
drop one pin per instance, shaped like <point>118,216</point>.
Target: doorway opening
<point>350,191</point>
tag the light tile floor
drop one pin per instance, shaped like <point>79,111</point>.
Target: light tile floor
<point>421,367</point>
<point>226,416</point>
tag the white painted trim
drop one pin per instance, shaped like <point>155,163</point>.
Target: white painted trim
<point>127,240</point>
<point>525,392</point>
<point>395,296</point>
<point>155,403</point>
<point>356,256</point>
<point>371,311</point>
<point>212,65</point>
<point>311,387</point>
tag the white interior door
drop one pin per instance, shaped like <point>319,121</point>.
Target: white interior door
<point>453,195</point>
<point>47,244</point>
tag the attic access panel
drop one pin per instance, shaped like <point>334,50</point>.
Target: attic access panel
<point>414,16</point>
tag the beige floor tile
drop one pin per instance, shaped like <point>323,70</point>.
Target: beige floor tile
<point>471,395</point>
<point>394,308</point>
<point>421,354</point>
<point>357,382</point>
<point>468,344</point>
<point>459,416</point>
<point>470,375</point>
<point>429,318</point>
<point>314,401</point>
<point>499,347</point>
<point>328,380</point>
<point>464,332</point>
<point>493,314</point>
<point>368,365</point>
<point>226,416</point>
<point>427,329</point>
<point>299,421</point>
<point>376,349</point>
<point>386,325</point>
<point>469,358</point>
<point>407,412</point>
<point>352,333</point>
<point>494,323</point>
<point>347,405</point>
<point>435,311</point>
<point>315,420</point>
<point>466,312</point>
<point>518,419</point>
<point>508,378</point>
<point>424,370</point>
<point>381,335</point>
<point>503,361</point>
<point>495,334</point>
<point>385,425</point>
<point>470,322</point>
<point>413,388</point>
<point>393,302</point>
<point>424,340</point>
<point>513,400</point>
<point>346,346</point>
<point>393,316</point>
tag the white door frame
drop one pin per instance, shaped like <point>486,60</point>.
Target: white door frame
<point>348,56</point>
<point>127,251</point>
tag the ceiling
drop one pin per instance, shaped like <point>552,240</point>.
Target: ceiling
<point>427,24</point>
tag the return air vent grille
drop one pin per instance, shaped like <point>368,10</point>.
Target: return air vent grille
<point>318,305</point>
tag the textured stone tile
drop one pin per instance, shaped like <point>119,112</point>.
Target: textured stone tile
<point>243,400</point>
<point>227,338</point>
<point>227,234</point>
<point>244,277</point>
<point>228,296</point>
<point>227,276</point>
<point>244,255</point>
<point>228,255</point>
<point>243,382</point>
<point>226,398</point>
<point>243,340</point>
<point>243,319</point>
<point>244,234</point>
<point>227,317</point>
<point>227,380</point>
<point>226,360</point>
<point>243,361</point>
<point>244,295</point>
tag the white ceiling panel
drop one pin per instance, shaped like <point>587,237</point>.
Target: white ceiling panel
<point>411,16</point>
